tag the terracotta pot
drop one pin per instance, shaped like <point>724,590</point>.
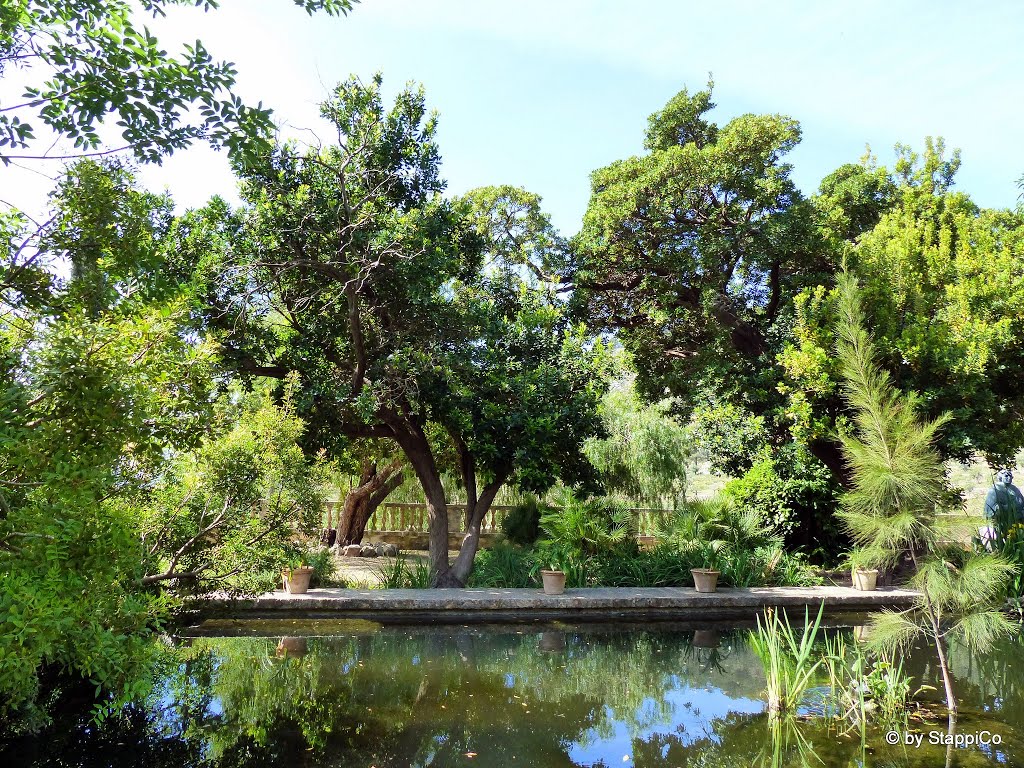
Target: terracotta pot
<point>554,582</point>
<point>864,580</point>
<point>296,581</point>
<point>706,638</point>
<point>293,646</point>
<point>552,641</point>
<point>705,579</point>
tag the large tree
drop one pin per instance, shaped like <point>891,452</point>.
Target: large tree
<point>692,254</point>
<point>408,316</point>
<point>713,271</point>
<point>692,251</point>
<point>95,385</point>
<point>944,298</point>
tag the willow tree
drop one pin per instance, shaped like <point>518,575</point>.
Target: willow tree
<point>898,482</point>
<point>644,456</point>
<point>408,316</point>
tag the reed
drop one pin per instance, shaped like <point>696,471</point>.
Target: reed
<point>787,657</point>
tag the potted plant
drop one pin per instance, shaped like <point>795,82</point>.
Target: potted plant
<point>552,577</point>
<point>706,579</point>
<point>297,574</point>
<point>862,576</point>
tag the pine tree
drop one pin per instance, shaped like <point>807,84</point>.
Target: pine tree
<point>898,480</point>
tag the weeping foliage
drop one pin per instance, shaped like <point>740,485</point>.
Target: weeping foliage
<point>644,456</point>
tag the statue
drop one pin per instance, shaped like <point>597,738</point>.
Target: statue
<point>1004,507</point>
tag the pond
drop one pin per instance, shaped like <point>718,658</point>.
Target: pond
<point>358,694</point>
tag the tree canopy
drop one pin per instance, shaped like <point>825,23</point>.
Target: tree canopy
<point>407,316</point>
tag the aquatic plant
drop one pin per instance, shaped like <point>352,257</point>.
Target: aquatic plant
<point>860,685</point>
<point>788,661</point>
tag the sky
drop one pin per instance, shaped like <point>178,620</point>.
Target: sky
<point>539,93</point>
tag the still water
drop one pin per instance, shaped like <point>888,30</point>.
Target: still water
<point>357,694</point>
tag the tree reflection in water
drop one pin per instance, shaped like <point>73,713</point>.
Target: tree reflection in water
<point>551,696</point>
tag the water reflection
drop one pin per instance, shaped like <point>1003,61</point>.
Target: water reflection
<point>553,696</point>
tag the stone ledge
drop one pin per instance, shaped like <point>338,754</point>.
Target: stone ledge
<point>593,604</point>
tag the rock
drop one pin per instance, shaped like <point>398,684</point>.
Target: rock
<point>352,550</point>
<point>379,549</point>
<point>368,551</point>
<point>390,550</point>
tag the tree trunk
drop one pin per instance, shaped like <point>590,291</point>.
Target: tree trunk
<point>830,453</point>
<point>417,450</point>
<point>361,501</point>
<point>375,500</point>
<point>463,565</point>
<point>947,677</point>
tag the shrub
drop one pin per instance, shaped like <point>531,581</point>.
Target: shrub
<point>661,567</point>
<point>504,565</point>
<point>522,523</point>
<point>325,568</point>
<point>396,573</point>
<point>588,527</point>
<point>795,494</point>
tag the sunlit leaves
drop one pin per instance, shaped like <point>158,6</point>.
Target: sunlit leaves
<point>104,67</point>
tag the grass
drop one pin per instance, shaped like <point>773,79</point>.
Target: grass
<point>400,573</point>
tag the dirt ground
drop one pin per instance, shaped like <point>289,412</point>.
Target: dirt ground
<point>362,571</point>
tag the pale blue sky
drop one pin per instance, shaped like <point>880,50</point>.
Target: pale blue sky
<point>539,93</point>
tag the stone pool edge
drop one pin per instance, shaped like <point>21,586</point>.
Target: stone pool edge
<point>471,605</point>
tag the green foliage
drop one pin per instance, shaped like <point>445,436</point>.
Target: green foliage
<point>521,524</point>
<point>863,686</point>
<point>938,278</point>
<point>100,379</point>
<point>325,568</point>
<point>719,522</point>
<point>898,476</point>
<point>683,249</point>
<point>225,515</point>
<point>854,197</point>
<point>644,456</point>
<point>588,526</point>
<point>399,573</point>
<point>504,565</point>
<point>898,479</point>
<point>101,63</point>
<point>787,660</point>
<point>795,494</point>
<point>1013,552</point>
<point>577,531</point>
<point>594,543</point>
<point>408,316</point>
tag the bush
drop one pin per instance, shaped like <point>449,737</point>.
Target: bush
<point>663,566</point>
<point>325,568</point>
<point>585,528</point>
<point>522,523</point>
<point>394,573</point>
<point>504,565</point>
<point>795,494</point>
